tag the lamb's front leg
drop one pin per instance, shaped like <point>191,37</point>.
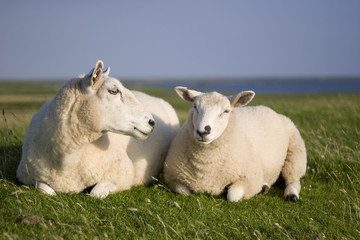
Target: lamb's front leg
<point>118,177</point>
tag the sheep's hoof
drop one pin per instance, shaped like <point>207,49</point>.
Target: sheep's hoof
<point>265,189</point>
<point>292,197</point>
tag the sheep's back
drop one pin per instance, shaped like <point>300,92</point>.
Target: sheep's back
<point>268,133</point>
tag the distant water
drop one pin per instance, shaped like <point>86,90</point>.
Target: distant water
<point>271,86</point>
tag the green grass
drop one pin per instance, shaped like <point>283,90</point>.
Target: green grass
<point>329,205</point>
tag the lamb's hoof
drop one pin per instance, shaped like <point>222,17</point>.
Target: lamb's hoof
<point>265,189</point>
<point>292,197</point>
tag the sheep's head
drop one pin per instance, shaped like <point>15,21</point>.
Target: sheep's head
<point>109,106</point>
<point>211,111</point>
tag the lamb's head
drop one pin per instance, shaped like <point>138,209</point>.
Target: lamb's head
<point>211,111</point>
<point>109,106</point>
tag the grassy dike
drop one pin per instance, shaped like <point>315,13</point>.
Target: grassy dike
<point>329,205</point>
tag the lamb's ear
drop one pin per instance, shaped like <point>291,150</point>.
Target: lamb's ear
<point>187,94</point>
<point>241,98</point>
<point>96,75</point>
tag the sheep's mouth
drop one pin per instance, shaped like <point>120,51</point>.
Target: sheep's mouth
<point>142,132</point>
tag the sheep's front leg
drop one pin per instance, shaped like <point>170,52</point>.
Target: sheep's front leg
<point>118,177</point>
<point>45,188</point>
<point>177,187</point>
<point>182,189</point>
<point>244,188</point>
<point>102,189</point>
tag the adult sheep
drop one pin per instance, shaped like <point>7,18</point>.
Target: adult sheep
<point>224,146</point>
<point>92,133</point>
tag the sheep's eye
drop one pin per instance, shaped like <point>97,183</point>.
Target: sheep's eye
<point>227,111</point>
<point>113,91</point>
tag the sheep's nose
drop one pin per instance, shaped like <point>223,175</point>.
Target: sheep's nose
<point>204,133</point>
<point>151,122</point>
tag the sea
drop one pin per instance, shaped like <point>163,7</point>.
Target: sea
<point>266,86</point>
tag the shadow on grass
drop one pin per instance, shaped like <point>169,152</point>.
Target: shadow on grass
<point>9,159</point>
<point>10,146</point>
<point>275,191</point>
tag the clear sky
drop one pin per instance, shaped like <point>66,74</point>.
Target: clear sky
<point>183,38</point>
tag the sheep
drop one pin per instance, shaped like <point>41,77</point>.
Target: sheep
<point>95,132</point>
<point>224,148</point>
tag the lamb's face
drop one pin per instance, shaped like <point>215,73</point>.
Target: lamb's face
<point>211,113</point>
<point>111,107</point>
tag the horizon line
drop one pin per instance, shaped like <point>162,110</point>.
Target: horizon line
<point>197,78</point>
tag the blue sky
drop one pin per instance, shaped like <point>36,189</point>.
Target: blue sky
<point>151,39</point>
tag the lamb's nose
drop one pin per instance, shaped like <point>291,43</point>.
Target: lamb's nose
<point>207,129</point>
<point>151,122</point>
<point>204,133</point>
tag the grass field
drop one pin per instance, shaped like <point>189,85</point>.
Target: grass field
<point>329,205</point>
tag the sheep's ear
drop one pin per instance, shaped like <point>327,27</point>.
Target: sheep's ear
<point>187,94</point>
<point>106,72</point>
<point>96,75</point>
<point>241,98</point>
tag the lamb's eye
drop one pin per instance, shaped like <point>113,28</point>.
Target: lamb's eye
<point>113,91</point>
<point>224,112</point>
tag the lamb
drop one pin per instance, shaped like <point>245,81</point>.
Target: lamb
<point>224,147</point>
<point>95,132</point>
